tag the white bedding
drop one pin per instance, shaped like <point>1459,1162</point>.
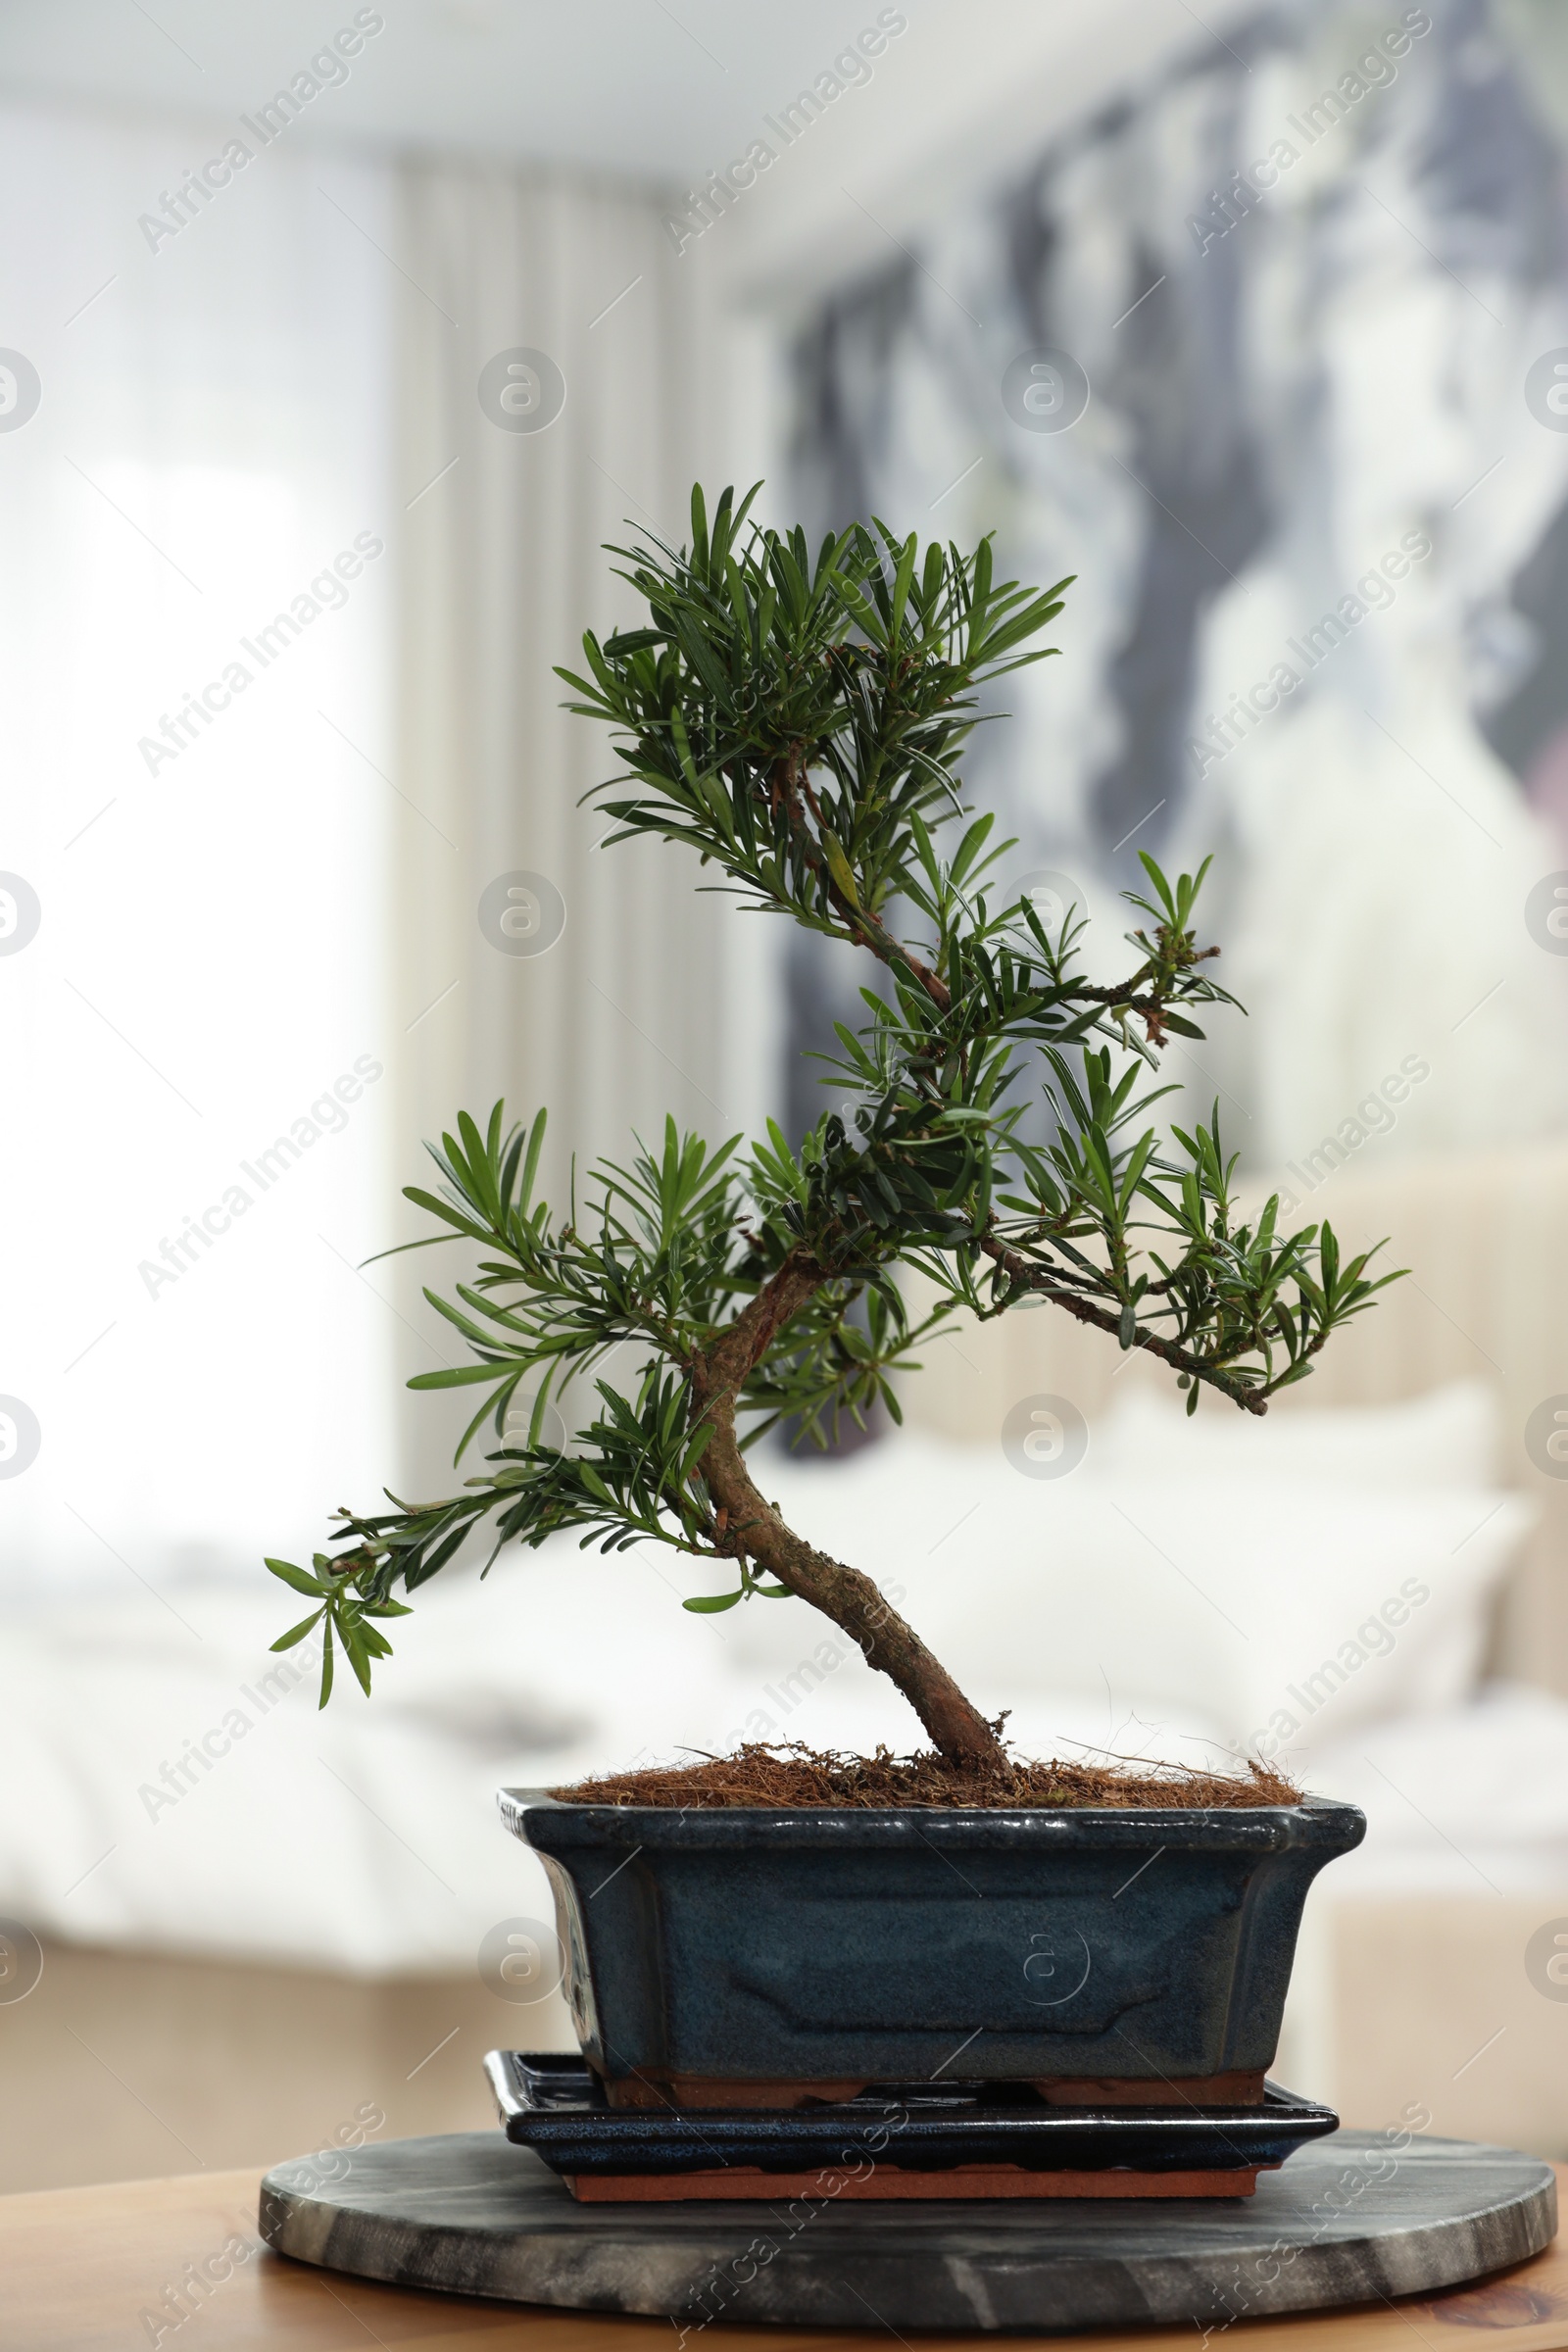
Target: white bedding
<point>1472,1799</point>
<point>367,1837</point>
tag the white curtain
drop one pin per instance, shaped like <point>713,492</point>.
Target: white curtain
<point>621,1017</point>
<point>274,411</point>
<point>182,1324</point>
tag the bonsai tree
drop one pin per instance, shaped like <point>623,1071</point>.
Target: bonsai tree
<point>800,723</point>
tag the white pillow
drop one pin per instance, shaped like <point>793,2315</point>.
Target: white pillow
<point>1447,1438</point>
<point>1259,1605</point>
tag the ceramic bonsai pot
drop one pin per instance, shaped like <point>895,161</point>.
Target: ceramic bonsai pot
<point>761,1957</point>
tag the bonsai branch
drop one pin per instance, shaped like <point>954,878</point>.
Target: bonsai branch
<point>788,785</point>
<point>1044,1283</point>
<point>862,928</point>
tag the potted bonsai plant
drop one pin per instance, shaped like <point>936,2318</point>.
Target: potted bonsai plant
<point>775,1927</point>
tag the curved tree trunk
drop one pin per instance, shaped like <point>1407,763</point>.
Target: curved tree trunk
<point>845,1595</point>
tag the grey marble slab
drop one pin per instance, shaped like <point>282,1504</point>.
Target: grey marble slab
<point>1348,2220</point>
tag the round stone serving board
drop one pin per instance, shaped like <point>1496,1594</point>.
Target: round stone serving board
<point>474,2215</point>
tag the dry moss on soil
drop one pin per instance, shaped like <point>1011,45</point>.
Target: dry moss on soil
<point>765,1774</point>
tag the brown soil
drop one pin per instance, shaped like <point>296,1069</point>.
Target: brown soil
<point>765,1774</point>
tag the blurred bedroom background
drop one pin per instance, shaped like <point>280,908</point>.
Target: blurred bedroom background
<point>1256,320</point>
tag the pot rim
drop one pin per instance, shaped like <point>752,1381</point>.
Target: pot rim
<point>1317,1822</point>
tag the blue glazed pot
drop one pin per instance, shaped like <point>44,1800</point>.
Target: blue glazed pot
<point>832,1946</point>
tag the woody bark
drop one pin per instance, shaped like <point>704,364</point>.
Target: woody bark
<point>753,1527</point>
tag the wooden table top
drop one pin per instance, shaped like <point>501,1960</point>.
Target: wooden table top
<point>100,2269</point>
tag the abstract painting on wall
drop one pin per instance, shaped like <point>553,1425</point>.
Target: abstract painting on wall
<point>1273,355</point>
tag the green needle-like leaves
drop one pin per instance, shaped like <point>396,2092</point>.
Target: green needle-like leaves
<point>799,721</point>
